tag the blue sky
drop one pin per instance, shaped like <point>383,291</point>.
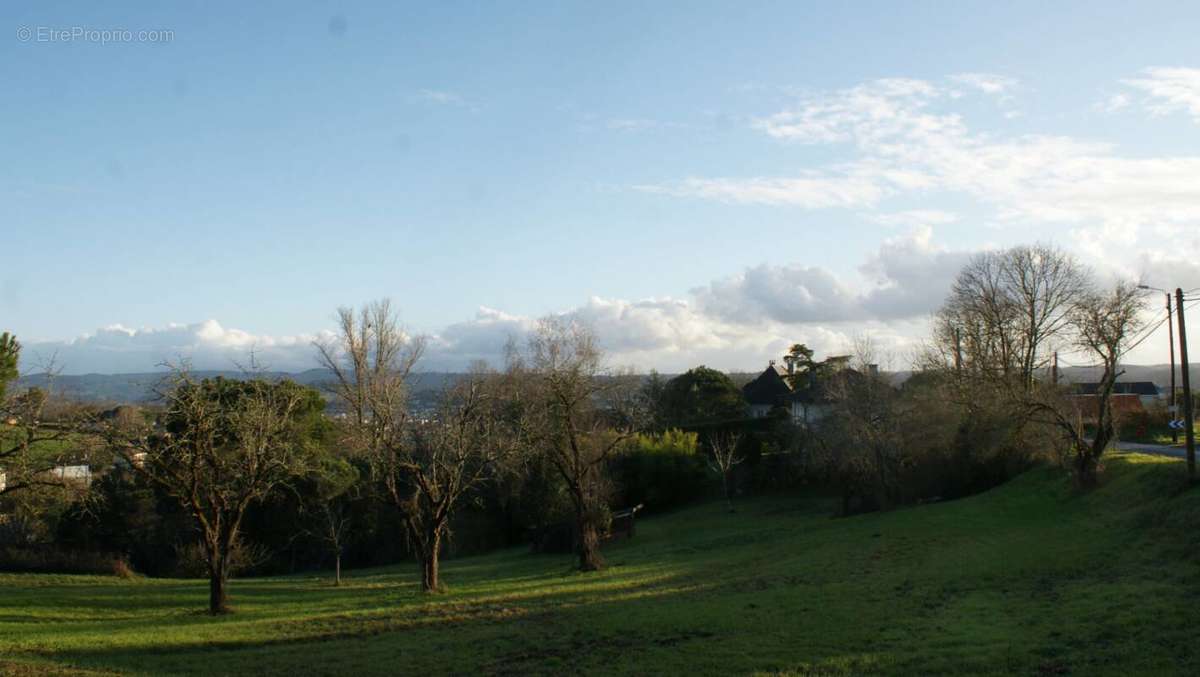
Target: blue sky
<point>704,182</point>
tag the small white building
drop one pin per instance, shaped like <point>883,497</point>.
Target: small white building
<point>81,474</point>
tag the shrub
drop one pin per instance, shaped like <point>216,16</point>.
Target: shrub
<point>49,559</point>
<point>661,471</point>
<point>121,568</point>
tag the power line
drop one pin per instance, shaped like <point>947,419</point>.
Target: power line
<point>1156,327</point>
<point>1142,336</point>
<point>1147,333</point>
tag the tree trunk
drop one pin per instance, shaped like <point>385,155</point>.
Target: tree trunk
<point>218,597</point>
<point>429,563</point>
<point>1087,457</point>
<point>881,484</point>
<point>1086,471</point>
<point>337,569</point>
<point>217,547</point>
<point>729,489</point>
<point>589,546</point>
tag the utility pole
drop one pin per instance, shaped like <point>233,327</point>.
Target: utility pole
<point>1174,406</point>
<point>1171,341</point>
<point>1054,370</point>
<point>1188,422</point>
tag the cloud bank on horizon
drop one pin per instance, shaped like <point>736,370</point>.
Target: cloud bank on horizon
<point>735,322</point>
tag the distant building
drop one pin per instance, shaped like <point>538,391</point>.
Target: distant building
<point>77,474</point>
<point>814,402</point>
<point>1145,391</point>
<point>805,395</point>
<point>67,474</point>
<point>768,391</point>
<point>1123,404</point>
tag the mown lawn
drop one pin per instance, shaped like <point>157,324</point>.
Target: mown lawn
<point>1031,578</point>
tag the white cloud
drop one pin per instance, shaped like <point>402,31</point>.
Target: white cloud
<point>880,108</point>
<point>907,278</point>
<point>911,275</point>
<point>480,338</point>
<point>736,322</point>
<point>1113,103</point>
<point>207,345</point>
<point>664,333</point>
<point>905,140</point>
<point>1170,90</point>
<point>988,83</point>
<point>792,293</point>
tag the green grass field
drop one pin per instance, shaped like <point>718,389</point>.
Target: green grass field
<point>1030,578</point>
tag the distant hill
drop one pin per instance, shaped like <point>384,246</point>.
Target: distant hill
<point>1159,374</point>
<point>140,388</point>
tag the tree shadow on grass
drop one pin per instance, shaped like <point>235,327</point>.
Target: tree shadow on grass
<point>415,631</point>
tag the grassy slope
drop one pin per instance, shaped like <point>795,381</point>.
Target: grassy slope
<point>1029,578</point>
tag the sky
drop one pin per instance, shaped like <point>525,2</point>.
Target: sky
<point>701,182</point>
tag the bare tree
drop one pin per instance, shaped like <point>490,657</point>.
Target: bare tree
<point>868,426</point>
<point>336,481</point>
<point>336,525</point>
<point>1004,309</point>
<point>220,447</point>
<point>1105,324</point>
<point>432,465</point>
<point>724,457</point>
<point>371,358</point>
<point>578,414</point>
<point>424,467</point>
<point>1044,283</point>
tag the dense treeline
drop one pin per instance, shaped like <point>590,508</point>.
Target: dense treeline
<point>257,475</point>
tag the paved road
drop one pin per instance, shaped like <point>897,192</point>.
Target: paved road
<point>1161,449</point>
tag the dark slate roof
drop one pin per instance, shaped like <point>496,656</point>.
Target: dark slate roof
<point>1121,388</point>
<point>769,388</point>
<point>820,391</point>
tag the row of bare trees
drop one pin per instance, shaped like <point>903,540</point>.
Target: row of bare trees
<point>555,400</point>
<point>984,399</point>
<point>1009,312</point>
<point>220,447</point>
